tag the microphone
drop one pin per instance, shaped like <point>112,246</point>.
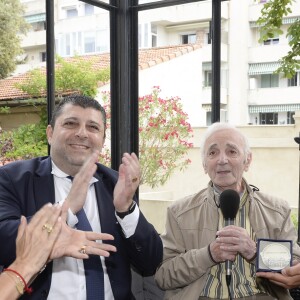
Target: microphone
<point>229,204</point>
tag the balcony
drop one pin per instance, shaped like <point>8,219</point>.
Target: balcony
<point>207,53</point>
<point>268,53</point>
<point>206,95</point>
<point>265,96</point>
<point>34,39</point>
<point>180,14</point>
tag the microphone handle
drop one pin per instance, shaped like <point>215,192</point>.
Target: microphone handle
<point>228,267</point>
<point>228,263</point>
<point>228,222</point>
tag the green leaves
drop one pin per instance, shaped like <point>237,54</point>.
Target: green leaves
<point>12,24</point>
<point>76,75</point>
<point>270,24</point>
<point>23,143</point>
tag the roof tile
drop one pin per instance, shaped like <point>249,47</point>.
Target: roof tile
<point>147,59</point>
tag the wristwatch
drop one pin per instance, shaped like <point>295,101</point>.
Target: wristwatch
<point>128,212</point>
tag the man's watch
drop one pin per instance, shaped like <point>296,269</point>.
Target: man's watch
<point>128,212</point>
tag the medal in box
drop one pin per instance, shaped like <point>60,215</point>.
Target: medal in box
<point>273,255</point>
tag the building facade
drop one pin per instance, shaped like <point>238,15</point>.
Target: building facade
<point>250,91</point>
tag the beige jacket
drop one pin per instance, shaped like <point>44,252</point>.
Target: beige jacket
<point>191,226</point>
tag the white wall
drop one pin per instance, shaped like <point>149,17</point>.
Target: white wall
<point>182,77</point>
<point>238,63</point>
<point>179,77</point>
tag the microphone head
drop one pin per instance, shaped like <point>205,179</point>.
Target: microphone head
<point>229,203</point>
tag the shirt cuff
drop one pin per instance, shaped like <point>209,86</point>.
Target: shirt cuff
<point>72,219</point>
<point>129,222</point>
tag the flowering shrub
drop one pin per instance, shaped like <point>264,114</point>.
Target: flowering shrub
<point>164,134</point>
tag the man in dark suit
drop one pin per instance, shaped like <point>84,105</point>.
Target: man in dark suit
<point>106,198</point>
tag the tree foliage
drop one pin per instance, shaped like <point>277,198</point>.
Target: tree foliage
<point>270,23</point>
<point>12,24</point>
<point>25,142</point>
<point>76,75</point>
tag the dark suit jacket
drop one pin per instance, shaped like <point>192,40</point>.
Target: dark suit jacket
<point>25,186</point>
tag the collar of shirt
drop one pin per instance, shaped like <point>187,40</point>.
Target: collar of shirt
<point>217,193</point>
<point>56,171</point>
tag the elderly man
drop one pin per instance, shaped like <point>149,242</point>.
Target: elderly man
<point>196,242</point>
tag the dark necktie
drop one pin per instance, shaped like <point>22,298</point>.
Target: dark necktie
<point>94,277</point>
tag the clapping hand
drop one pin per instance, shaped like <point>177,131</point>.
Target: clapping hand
<point>128,182</point>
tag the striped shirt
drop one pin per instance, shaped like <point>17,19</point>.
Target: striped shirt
<point>243,282</point>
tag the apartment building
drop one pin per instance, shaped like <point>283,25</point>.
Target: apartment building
<point>250,92</point>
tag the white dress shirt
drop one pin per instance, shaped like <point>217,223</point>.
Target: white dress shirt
<point>68,277</point>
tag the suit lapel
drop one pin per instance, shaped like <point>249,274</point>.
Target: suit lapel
<point>43,184</point>
<point>105,205</point>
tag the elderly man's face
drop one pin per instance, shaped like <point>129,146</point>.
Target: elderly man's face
<point>225,160</point>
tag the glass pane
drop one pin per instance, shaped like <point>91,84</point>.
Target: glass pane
<point>89,42</point>
<point>71,13</point>
<point>265,81</point>
<point>88,9</point>
<point>274,80</point>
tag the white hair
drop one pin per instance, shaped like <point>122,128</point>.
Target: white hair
<point>218,126</point>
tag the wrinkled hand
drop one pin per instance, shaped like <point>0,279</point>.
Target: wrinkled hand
<point>70,241</point>
<point>289,277</point>
<point>34,243</point>
<point>221,255</point>
<point>81,183</point>
<point>232,240</point>
<point>128,182</point>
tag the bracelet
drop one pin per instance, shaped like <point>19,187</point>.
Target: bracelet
<point>19,283</point>
<point>21,286</point>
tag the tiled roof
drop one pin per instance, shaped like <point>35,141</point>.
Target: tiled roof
<point>151,57</point>
<point>8,90</point>
<point>147,58</point>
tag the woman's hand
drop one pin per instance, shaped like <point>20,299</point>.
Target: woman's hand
<point>35,240</point>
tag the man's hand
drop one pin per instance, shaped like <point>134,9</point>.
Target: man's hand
<point>81,183</point>
<point>128,182</point>
<point>70,242</point>
<point>232,240</point>
<point>219,254</point>
<point>289,277</point>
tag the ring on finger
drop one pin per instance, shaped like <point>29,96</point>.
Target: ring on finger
<point>48,227</point>
<point>83,249</point>
<point>134,179</point>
